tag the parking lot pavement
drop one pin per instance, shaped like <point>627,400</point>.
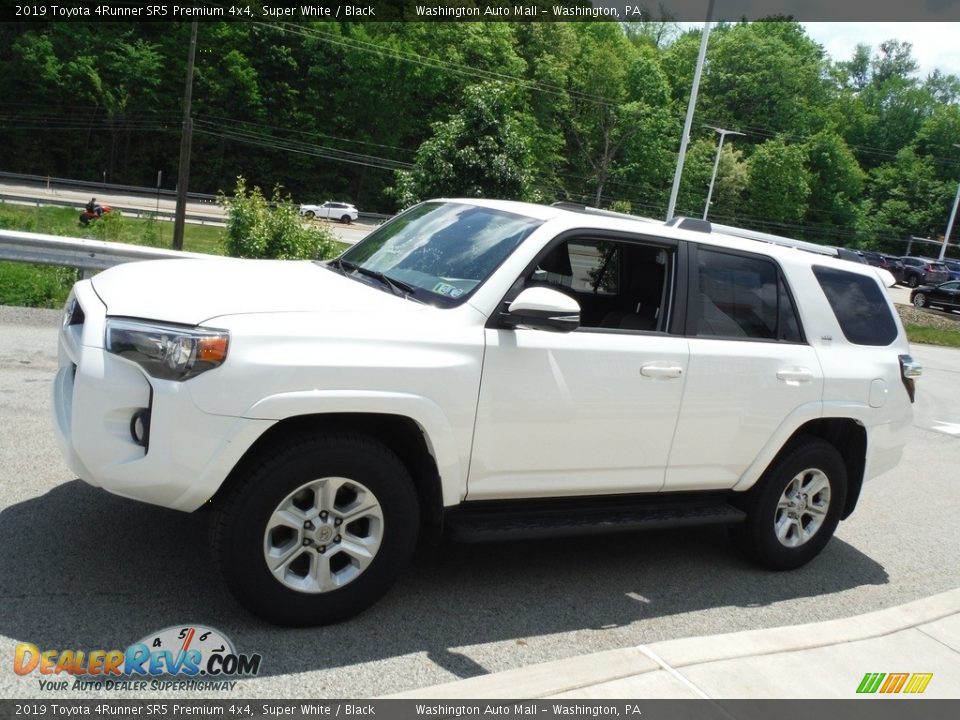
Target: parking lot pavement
<point>85,569</point>
<point>916,647</point>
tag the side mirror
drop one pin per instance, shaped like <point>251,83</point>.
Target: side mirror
<point>542,308</point>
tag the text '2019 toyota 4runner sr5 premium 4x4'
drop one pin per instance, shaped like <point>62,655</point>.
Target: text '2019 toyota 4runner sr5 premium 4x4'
<point>490,369</point>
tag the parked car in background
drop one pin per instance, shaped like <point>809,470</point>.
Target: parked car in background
<point>923,271</point>
<point>330,210</point>
<point>953,267</point>
<point>946,296</point>
<point>891,264</point>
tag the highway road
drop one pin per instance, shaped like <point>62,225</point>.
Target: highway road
<point>87,570</point>
<point>212,212</point>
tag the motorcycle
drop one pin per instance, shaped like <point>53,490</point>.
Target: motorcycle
<point>88,215</point>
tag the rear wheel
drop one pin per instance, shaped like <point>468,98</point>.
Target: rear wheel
<point>318,531</point>
<point>794,509</point>
<point>345,219</point>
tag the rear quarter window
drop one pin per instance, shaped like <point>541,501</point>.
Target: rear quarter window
<point>859,304</point>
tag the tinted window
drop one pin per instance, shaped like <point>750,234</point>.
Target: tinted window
<point>744,297</point>
<point>859,305</point>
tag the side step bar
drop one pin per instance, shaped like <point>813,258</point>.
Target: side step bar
<point>475,522</point>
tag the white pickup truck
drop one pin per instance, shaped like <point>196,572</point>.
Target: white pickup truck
<point>492,370</point>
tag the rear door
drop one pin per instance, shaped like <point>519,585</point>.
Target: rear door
<point>749,369</point>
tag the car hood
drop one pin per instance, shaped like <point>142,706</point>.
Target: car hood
<point>192,291</point>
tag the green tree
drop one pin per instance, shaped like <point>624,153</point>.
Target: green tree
<point>478,152</point>
<point>836,182</point>
<point>779,184</point>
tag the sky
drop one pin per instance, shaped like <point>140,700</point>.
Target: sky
<point>935,45</point>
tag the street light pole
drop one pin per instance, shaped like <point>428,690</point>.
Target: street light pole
<point>688,122</point>
<point>716,164</point>
<point>953,216</point>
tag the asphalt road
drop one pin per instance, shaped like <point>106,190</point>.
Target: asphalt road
<point>83,569</point>
<point>349,234</point>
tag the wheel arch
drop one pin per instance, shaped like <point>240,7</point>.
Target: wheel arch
<point>849,437</point>
<point>401,434</point>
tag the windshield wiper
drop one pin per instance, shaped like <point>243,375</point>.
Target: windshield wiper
<point>399,287</point>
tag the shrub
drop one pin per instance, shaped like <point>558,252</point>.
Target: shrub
<point>258,229</point>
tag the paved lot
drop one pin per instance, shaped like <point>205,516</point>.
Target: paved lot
<point>84,569</point>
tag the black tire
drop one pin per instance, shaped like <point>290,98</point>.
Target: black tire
<point>919,300</point>
<point>345,219</point>
<point>310,214</point>
<point>913,281</point>
<point>239,530</point>
<point>807,458</point>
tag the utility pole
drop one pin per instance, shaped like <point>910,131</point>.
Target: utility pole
<point>716,164</point>
<point>186,138</point>
<point>685,138</point>
<point>953,216</point>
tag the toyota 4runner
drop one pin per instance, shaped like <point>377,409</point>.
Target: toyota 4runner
<point>491,370</point>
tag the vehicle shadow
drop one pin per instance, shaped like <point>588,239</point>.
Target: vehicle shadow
<point>82,569</point>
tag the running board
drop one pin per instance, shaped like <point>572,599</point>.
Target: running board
<point>475,522</point>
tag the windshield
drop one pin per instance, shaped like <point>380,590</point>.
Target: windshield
<point>442,250</point>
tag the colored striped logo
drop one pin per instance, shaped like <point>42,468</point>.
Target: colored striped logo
<point>888,683</point>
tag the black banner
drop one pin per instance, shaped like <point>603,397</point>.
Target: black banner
<point>481,10</point>
<point>877,709</point>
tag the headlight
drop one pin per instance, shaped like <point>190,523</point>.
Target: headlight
<point>167,352</point>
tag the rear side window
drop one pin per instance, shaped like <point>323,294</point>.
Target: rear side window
<point>744,297</point>
<point>859,305</point>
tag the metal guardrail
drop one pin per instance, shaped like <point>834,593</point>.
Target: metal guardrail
<point>126,210</point>
<point>87,255</point>
<point>49,181</point>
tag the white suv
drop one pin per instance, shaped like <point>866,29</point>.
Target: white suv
<point>490,369</point>
<point>344,212</point>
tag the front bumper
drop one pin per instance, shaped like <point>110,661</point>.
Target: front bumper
<point>96,394</point>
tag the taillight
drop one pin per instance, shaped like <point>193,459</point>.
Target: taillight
<point>910,370</point>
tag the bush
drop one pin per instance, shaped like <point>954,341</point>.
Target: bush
<point>258,229</point>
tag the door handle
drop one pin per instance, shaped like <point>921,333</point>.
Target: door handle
<point>795,375</point>
<point>659,370</point>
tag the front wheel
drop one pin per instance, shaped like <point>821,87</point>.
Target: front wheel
<point>913,281</point>
<point>318,531</point>
<point>309,214</point>
<point>795,507</point>
<point>919,300</point>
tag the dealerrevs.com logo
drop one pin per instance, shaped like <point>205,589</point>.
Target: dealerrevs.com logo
<point>190,657</point>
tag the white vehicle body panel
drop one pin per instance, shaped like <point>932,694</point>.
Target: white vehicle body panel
<point>505,413</point>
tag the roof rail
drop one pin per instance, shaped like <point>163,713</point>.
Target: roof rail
<point>685,223</point>
<point>775,239</point>
<point>588,210</point>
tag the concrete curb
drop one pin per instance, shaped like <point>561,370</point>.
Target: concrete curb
<point>583,672</point>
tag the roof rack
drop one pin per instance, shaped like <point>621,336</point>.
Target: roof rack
<point>776,239</point>
<point>685,223</point>
<point>586,209</point>
<point>705,226</point>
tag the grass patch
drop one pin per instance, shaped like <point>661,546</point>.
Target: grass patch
<point>933,336</point>
<point>44,286</point>
<point>136,231</point>
<point>35,285</point>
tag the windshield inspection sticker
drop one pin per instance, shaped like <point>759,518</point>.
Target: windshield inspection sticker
<point>442,288</point>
